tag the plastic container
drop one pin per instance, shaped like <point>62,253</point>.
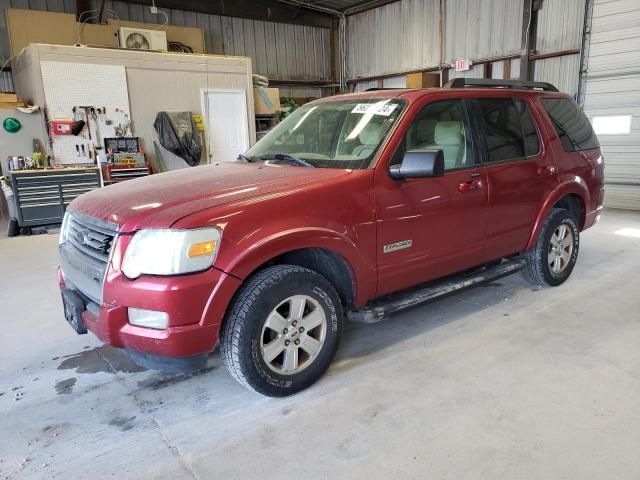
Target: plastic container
<point>10,198</point>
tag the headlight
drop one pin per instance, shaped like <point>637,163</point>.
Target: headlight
<point>170,252</point>
<point>64,229</point>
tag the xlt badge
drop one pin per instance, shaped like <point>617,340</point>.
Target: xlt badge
<point>392,247</point>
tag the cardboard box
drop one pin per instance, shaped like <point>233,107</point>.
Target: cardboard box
<point>266,101</point>
<point>10,101</point>
<point>422,80</point>
<point>8,98</point>
<point>32,26</point>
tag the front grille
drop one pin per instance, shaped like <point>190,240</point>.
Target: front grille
<point>84,255</point>
<point>89,239</point>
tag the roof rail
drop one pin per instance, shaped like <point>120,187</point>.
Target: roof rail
<point>496,83</point>
<point>375,89</point>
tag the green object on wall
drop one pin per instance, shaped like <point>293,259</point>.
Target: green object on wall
<point>11,125</point>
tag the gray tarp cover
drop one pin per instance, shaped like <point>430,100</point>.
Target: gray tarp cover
<point>178,134</point>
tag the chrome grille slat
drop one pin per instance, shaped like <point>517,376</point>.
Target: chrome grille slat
<point>86,253</point>
<point>90,252</point>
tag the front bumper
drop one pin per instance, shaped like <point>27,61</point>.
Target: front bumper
<point>196,305</point>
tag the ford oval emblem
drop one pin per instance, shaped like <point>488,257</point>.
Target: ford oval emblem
<point>82,237</point>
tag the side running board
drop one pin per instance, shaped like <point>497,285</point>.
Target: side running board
<point>380,309</point>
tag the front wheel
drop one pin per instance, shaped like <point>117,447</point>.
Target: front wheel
<point>551,260</point>
<point>282,330</point>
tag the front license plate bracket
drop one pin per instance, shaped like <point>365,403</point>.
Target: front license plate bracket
<point>73,308</point>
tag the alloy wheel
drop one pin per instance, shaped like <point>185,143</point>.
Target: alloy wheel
<point>293,335</point>
<point>560,249</point>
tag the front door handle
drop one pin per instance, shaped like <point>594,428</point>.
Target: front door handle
<point>469,186</point>
<point>546,171</point>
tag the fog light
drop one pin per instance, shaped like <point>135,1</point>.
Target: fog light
<point>148,318</point>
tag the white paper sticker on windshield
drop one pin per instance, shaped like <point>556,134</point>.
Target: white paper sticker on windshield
<point>375,108</point>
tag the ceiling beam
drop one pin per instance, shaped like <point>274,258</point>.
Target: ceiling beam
<point>268,10</point>
<point>365,5</point>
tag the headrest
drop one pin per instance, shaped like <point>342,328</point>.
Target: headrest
<point>448,133</point>
<point>424,130</point>
<point>370,134</point>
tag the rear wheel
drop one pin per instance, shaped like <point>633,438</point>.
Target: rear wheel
<point>282,330</point>
<point>551,260</point>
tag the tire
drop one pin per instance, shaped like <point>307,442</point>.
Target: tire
<point>254,330</point>
<point>550,263</point>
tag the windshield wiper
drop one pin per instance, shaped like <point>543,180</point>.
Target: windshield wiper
<point>242,157</point>
<point>285,158</point>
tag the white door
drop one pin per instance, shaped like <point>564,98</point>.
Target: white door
<point>226,124</point>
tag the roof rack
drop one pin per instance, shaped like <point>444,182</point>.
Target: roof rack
<point>496,83</point>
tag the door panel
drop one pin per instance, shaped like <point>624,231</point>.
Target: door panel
<point>431,227</point>
<point>444,225</point>
<point>518,187</point>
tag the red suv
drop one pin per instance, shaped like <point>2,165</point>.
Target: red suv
<point>354,206</point>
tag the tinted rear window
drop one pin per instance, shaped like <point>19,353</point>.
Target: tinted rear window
<point>511,133</point>
<point>572,125</point>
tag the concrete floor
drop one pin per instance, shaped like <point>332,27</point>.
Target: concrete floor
<point>504,381</point>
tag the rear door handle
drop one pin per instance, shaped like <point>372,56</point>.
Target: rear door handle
<point>546,171</point>
<point>469,186</point>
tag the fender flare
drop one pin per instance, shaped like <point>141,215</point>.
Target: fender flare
<point>569,185</point>
<point>243,260</point>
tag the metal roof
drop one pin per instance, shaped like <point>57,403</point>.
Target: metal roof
<point>346,6</point>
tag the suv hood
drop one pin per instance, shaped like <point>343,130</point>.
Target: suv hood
<point>160,200</point>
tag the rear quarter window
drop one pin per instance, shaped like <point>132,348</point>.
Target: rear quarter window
<point>571,124</point>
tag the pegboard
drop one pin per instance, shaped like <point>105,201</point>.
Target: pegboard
<point>68,85</point>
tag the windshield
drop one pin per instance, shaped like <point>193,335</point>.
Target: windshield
<point>336,134</point>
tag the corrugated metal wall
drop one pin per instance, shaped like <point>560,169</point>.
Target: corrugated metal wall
<point>560,25</point>
<point>613,88</point>
<point>278,50</point>
<point>482,28</point>
<point>396,37</point>
<point>404,36</point>
<point>563,72</point>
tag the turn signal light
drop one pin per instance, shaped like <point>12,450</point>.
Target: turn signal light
<point>202,248</point>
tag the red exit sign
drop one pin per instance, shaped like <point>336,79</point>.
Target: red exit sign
<point>462,65</point>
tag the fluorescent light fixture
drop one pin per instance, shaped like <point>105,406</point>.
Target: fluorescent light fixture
<point>612,125</point>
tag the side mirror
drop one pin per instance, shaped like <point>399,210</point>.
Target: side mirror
<point>419,164</point>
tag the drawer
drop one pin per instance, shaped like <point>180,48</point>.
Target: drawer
<point>41,213</point>
<point>55,179</point>
<point>39,199</point>
<point>38,192</point>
